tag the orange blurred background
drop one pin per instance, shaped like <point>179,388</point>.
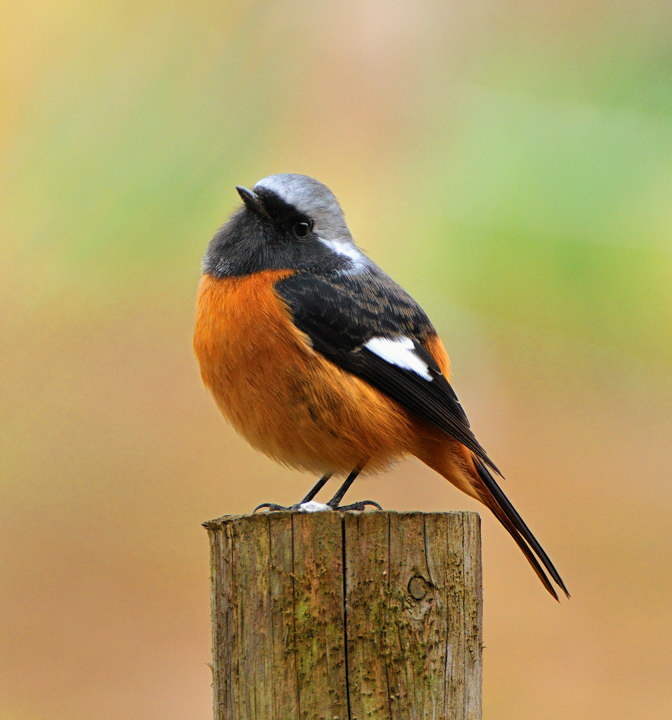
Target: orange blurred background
<point>510,163</point>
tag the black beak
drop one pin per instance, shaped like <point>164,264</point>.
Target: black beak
<point>252,202</point>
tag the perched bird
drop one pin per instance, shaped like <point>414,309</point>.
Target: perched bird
<point>323,362</point>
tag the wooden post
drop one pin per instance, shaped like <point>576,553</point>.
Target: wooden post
<point>346,616</point>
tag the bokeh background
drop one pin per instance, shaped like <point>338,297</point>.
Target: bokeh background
<point>510,163</point>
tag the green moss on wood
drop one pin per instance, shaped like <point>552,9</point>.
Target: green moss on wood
<point>346,616</point>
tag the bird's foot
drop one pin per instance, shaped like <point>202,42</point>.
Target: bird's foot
<point>272,507</point>
<point>358,506</point>
<point>310,506</point>
<point>313,506</point>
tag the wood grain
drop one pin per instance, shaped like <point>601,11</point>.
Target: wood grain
<point>346,616</point>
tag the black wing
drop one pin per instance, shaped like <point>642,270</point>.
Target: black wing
<point>341,312</point>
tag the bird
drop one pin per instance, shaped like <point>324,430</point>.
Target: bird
<point>325,364</point>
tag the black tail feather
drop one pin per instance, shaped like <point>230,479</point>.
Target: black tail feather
<point>501,506</point>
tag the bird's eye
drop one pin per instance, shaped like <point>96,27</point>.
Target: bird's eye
<point>301,229</point>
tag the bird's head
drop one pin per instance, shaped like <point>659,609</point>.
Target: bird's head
<point>287,221</point>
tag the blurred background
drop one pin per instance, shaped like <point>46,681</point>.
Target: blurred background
<point>510,163</point>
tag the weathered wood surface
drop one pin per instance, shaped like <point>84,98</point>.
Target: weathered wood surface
<point>346,616</point>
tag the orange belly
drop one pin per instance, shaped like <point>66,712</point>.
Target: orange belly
<point>287,400</point>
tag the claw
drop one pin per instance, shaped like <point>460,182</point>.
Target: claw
<point>358,506</point>
<point>271,507</point>
<point>313,506</point>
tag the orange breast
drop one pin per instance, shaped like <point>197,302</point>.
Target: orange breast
<point>287,400</point>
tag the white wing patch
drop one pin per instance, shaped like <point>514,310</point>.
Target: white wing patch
<point>400,352</point>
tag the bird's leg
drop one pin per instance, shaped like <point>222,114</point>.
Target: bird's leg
<point>334,503</point>
<point>316,488</point>
<point>271,507</point>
